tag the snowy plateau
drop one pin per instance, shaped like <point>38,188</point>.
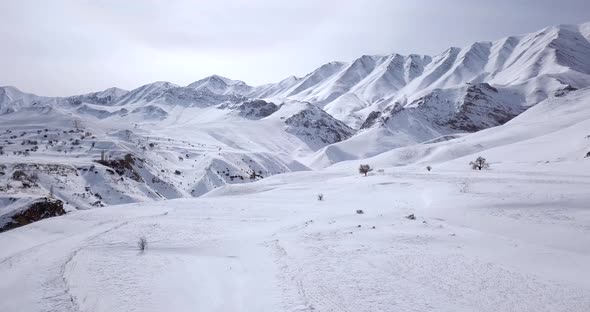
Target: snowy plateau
<point>249,198</point>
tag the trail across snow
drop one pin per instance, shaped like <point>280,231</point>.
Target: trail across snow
<point>481,241</point>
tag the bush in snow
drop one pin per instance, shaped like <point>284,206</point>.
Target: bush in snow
<point>587,154</point>
<point>360,211</point>
<point>320,196</point>
<point>479,163</point>
<point>428,168</point>
<point>19,175</point>
<point>365,169</point>
<point>142,244</point>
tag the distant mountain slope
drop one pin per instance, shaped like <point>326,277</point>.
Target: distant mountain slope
<point>188,140</point>
<point>221,85</point>
<point>555,132</point>
<point>534,66</point>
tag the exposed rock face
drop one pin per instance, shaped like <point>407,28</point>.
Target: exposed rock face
<point>381,118</point>
<point>253,109</point>
<point>151,112</point>
<point>257,108</point>
<point>481,108</point>
<point>123,167</point>
<point>371,120</point>
<point>564,91</point>
<point>315,124</point>
<point>467,109</point>
<point>40,209</point>
<point>106,97</point>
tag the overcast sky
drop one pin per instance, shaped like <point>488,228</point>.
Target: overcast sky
<point>65,47</point>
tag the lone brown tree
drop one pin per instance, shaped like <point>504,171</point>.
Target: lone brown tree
<point>479,163</point>
<point>365,169</point>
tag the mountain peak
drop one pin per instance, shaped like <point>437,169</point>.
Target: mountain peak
<point>220,85</point>
<point>215,79</point>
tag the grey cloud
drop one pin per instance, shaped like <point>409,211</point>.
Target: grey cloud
<point>63,47</point>
<point>210,25</point>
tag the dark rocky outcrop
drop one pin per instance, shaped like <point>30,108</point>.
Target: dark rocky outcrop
<point>40,209</point>
<point>123,167</point>
<point>316,124</point>
<point>371,119</point>
<point>564,91</point>
<point>257,108</point>
<point>480,110</point>
<point>251,109</point>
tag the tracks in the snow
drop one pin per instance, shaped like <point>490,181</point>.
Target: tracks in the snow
<point>70,262</point>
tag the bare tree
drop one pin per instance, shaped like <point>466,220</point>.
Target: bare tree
<point>142,244</point>
<point>479,163</point>
<point>365,169</point>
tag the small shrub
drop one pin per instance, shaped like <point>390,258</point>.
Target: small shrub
<point>142,244</point>
<point>19,175</point>
<point>320,196</point>
<point>365,169</point>
<point>479,164</point>
<point>428,168</point>
<point>411,217</point>
<point>177,172</point>
<point>360,211</point>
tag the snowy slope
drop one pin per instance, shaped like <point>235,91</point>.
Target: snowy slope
<point>12,100</point>
<point>554,132</point>
<point>217,131</point>
<point>221,85</point>
<point>535,65</point>
<point>481,241</point>
<point>177,150</point>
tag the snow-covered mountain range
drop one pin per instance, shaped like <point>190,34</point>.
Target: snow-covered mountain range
<point>162,140</point>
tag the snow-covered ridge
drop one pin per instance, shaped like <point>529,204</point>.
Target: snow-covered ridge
<point>537,64</point>
<point>532,66</point>
<point>218,131</point>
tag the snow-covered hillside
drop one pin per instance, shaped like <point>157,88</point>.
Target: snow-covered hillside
<point>164,141</point>
<point>512,238</point>
<point>530,68</point>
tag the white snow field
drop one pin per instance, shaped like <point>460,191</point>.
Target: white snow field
<point>496,240</point>
<point>515,237</point>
